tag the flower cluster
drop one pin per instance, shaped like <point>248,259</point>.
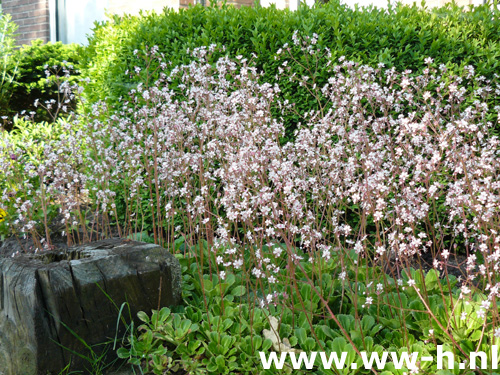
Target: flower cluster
<point>389,166</point>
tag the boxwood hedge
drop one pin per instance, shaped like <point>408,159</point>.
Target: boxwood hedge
<point>401,36</point>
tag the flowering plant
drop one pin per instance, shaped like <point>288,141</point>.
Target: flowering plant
<point>387,171</point>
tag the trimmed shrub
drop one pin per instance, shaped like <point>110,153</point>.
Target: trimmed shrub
<point>38,67</point>
<point>8,66</point>
<point>400,37</point>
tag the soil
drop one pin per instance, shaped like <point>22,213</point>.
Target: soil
<point>456,265</point>
<point>14,244</point>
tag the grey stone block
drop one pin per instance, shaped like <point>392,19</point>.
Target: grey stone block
<point>41,293</point>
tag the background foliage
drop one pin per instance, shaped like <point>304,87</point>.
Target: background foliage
<point>33,75</point>
<point>8,66</point>
<point>401,36</point>
<point>221,326</point>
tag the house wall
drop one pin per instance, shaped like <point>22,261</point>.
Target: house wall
<point>32,18</point>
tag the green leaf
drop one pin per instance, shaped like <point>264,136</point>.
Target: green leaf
<point>238,291</point>
<point>367,323</point>
<point>266,345</point>
<point>432,280</point>
<point>123,353</point>
<point>301,335</point>
<point>143,316</point>
<point>221,363</point>
<point>309,344</point>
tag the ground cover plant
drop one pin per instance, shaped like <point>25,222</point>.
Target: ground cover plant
<point>374,229</point>
<point>390,170</point>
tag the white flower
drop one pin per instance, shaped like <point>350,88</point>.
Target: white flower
<point>358,247</point>
<point>257,273</point>
<point>481,313</point>
<point>486,304</point>
<point>368,302</point>
<point>380,250</point>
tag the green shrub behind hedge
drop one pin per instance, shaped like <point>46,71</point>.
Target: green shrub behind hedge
<point>401,37</point>
<point>8,66</point>
<point>30,79</point>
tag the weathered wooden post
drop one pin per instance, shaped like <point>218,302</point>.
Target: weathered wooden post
<point>39,292</point>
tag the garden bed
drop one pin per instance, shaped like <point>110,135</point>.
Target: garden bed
<point>314,203</point>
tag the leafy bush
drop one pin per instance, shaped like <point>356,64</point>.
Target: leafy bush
<point>173,149</point>
<point>36,83</point>
<point>399,37</point>
<point>8,68</point>
<point>222,326</point>
<point>24,147</point>
<point>323,233</point>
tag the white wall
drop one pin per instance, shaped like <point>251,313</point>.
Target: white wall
<point>76,17</point>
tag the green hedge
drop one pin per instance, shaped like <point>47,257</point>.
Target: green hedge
<point>7,62</point>
<point>30,80</point>
<point>402,36</point>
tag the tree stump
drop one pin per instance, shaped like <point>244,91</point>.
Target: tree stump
<point>42,295</point>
